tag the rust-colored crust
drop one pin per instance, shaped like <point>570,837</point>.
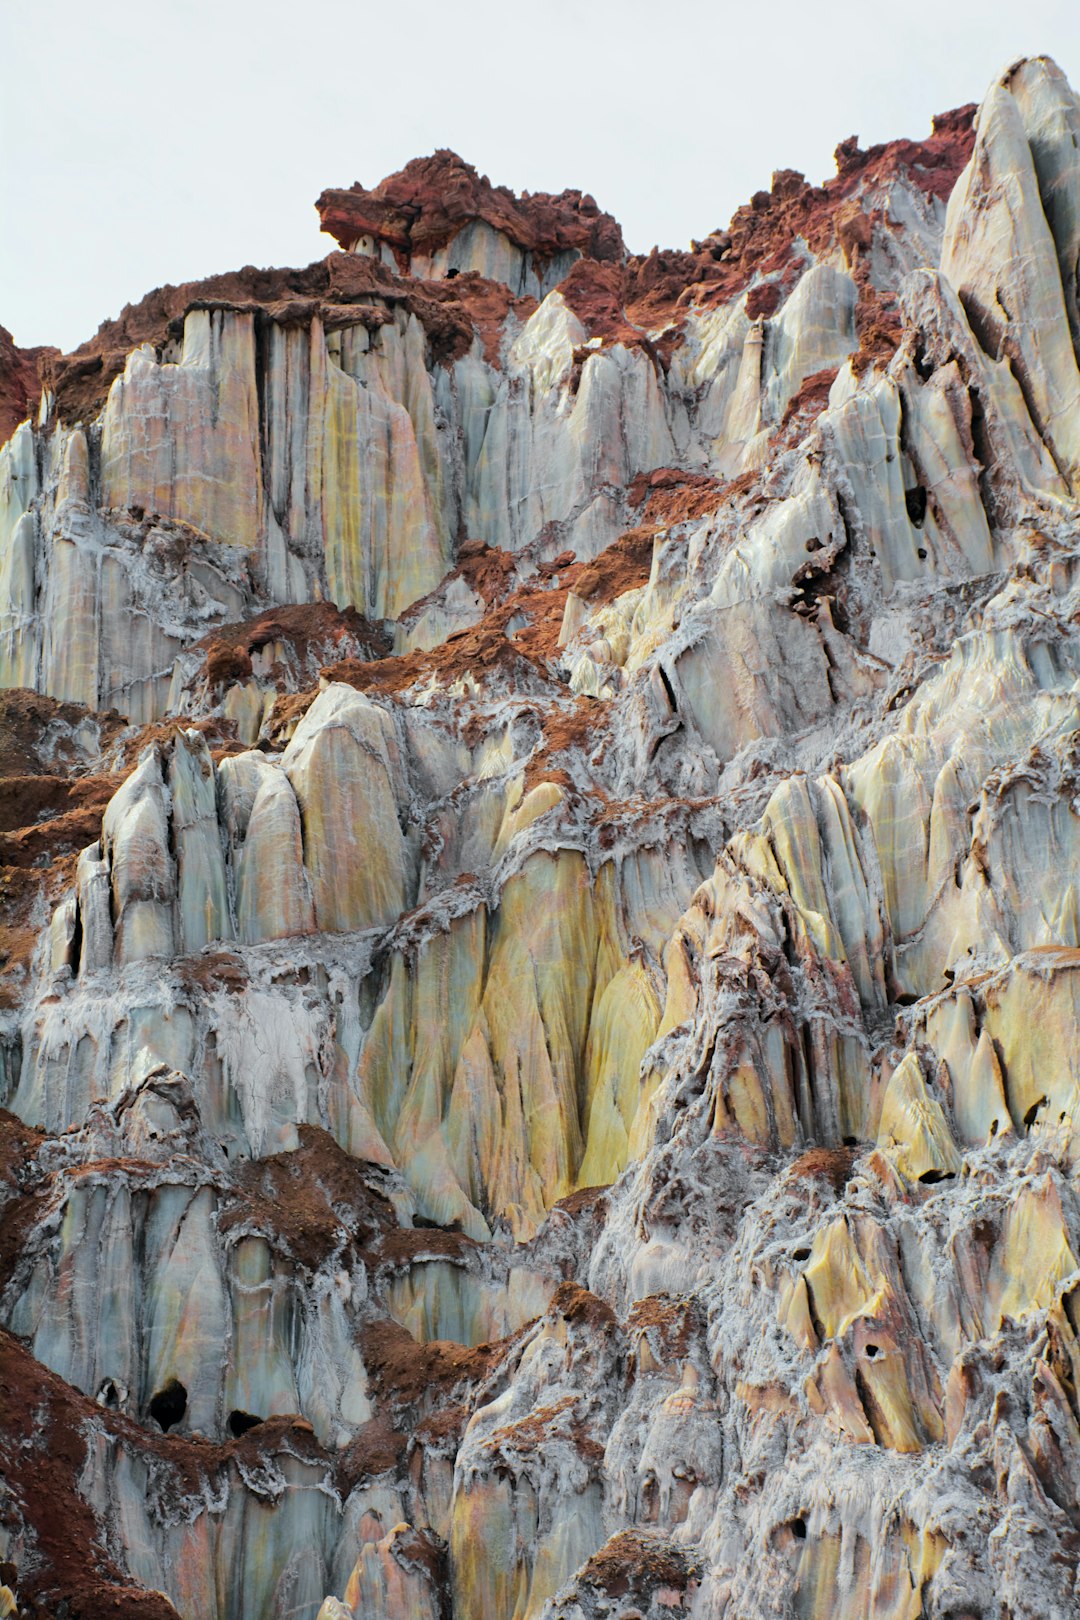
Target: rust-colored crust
<point>343,289</point>
<point>426,204</point>
<point>20,382</point>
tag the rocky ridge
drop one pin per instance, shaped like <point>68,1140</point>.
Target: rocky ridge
<point>538,897</point>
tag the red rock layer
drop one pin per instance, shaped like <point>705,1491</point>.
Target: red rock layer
<point>424,206</point>
<point>20,383</point>
<point>763,235</point>
<point>338,290</point>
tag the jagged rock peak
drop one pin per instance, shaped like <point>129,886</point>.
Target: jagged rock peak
<point>419,213</point>
<point>540,921</point>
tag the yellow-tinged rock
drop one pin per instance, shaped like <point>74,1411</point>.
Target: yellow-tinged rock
<point>795,1313</point>
<point>389,1580</point>
<point>901,1420</point>
<point>832,1389</point>
<point>622,1028</point>
<point>1032,1257</point>
<point>839,1284</point>
<point>913,1126</point>
<point>521,814</point>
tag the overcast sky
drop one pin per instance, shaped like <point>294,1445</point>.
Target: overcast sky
<point>146,141</point>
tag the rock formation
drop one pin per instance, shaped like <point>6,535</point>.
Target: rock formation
<point>540,893</point>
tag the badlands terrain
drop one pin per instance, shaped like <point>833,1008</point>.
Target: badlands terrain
<point>540,912</point>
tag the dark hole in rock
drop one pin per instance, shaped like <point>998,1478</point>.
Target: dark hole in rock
<point>851,1141</point>
<point>240,1422</point>
<point>923,365</point>
<point>906,999</point>
<point>1033,1112</point>
<point>451,273</point>
<point>813,544</point>
<point>168,1404</point>
<point>930,1178</point>
<point>668,688</point>
<point>108,1394</point>
<point>922,553</point>
<point>915,501</point>
<point>801,1254</point>
<point>872,1351</point>
<point>798,1529</point>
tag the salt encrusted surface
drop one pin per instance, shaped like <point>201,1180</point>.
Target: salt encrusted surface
<point>541,964</point>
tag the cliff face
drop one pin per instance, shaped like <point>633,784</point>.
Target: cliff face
<point>541,940</point>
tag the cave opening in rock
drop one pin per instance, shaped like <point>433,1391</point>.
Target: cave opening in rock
<point>240,1422</point>
<point>168,1404</point>
<point>915,501</point>
<point>798,1529</point>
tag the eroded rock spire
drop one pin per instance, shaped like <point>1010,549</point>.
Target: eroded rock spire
<point>539,901</point>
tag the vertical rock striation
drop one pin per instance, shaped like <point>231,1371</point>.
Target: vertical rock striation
<point>541,940</point>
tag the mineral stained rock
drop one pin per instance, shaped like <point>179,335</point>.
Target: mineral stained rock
<point>540,994</point>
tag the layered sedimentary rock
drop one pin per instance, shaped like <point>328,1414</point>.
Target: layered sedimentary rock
<point>540,912</point>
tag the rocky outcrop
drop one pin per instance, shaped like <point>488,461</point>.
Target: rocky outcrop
<point>539,909</point>
<point>438,217</point>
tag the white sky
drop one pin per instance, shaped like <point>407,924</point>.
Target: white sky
<point>146,141</point>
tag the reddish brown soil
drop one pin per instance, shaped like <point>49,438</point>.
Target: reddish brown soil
<point>22,1189</point>
<point>577,1306</point>
<point>376,1448</point>
<point>43,817</point>
<point>484,646</point>
<point>578,731</point>
<point>407,1374</point>
<point>636,1564</point>
<point>811,398</point>
<point>28,719</point>
<point>20,382</point>
<point>341,290</point>
<point>761,239</point>
<point>408,1246</point>
<point>485,569</point>
<point>590,1201</point>
<point>309,1203</point>
<point>834,1165</point>
<point>671,1324</point>
<point>316,631</point>
<point>540,600</point>
<point>42,1451</point>
<point>51,808</point>
<point>598,294</point>
<point>672,496</point>
<point>427,203</point>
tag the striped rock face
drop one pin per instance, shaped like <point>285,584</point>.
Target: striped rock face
<point>540,908</point>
